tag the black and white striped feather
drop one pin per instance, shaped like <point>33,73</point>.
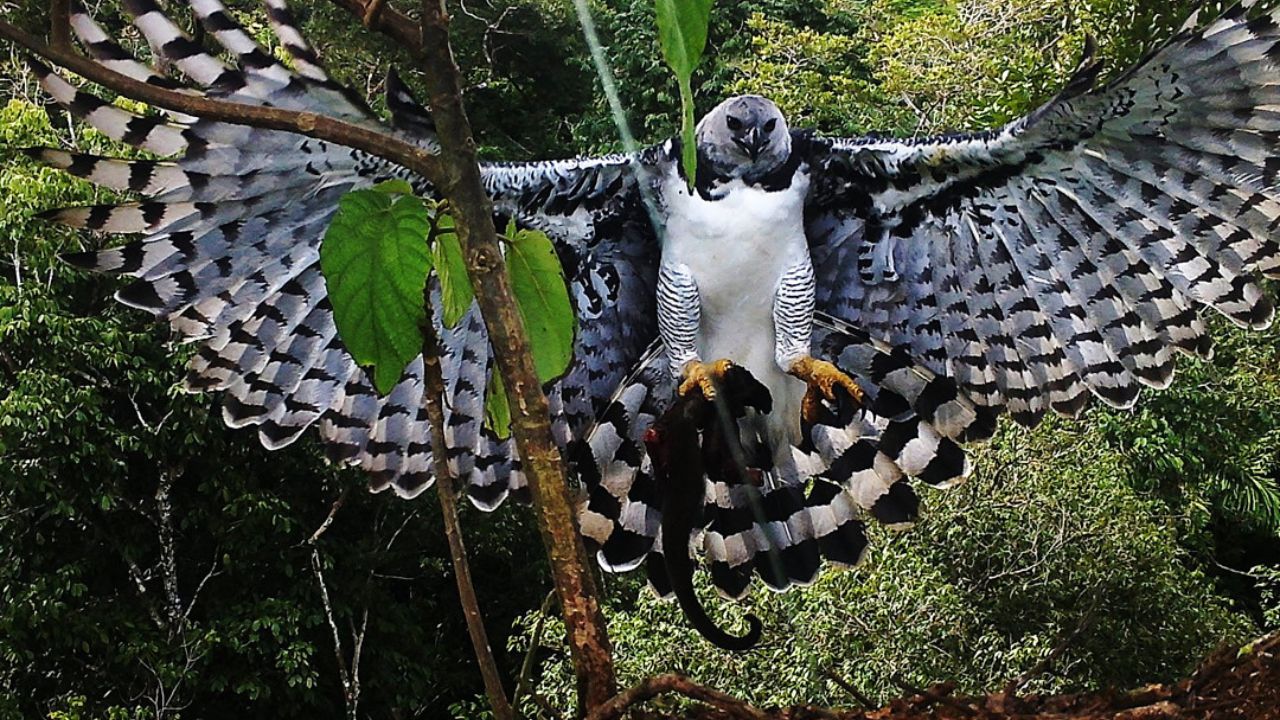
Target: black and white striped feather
<point>1069,253</point>
<point>851,468</point>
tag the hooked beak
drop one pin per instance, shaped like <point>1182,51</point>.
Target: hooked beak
<point>753,143</point>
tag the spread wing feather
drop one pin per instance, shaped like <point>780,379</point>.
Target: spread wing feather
<point>229,230</point>
<point>1070,252</point>
<point>850,469</point>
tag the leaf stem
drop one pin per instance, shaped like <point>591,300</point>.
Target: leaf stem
<point>688,143</point>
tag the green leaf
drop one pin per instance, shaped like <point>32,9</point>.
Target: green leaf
<point>394,186</point>
<point>375,261</point>
<point>542,298</point>
<point>497,412</point>
<point>682,32</point>
<point>455,287</point>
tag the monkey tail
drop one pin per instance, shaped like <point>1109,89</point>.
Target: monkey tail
<point>674,446</point>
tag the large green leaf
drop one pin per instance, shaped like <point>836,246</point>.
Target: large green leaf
<point>375,261</point>
<point>682,32</point>
<point>455,287</point>
<point>542,298</point>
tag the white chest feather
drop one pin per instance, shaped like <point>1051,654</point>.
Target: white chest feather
<point>737,247</point>
<point>737,250</point>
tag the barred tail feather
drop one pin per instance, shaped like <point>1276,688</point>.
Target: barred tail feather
<point>779,527</point>
<point>305,59</point>
<point>146,177</point>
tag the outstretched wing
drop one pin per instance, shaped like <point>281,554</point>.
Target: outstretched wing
<point>230,232</point>
<point>1068,253</point>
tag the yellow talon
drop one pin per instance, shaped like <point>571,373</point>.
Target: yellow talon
<point>811,406</point>
<point>703,376</point>
<point>822,378</point>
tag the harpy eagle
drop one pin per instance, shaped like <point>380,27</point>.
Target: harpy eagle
<point>893,296</point>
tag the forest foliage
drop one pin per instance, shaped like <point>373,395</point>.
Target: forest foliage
<point>154,563</point>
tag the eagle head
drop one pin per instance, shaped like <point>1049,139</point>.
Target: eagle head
<point>744,136</point>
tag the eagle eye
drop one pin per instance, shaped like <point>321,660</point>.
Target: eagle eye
<point>769,126</point>
<point>734,123</point>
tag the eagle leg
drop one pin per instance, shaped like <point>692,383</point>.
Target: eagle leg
<point>703,377</point>
<point>823,378</point>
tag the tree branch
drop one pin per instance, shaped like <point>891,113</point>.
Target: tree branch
<point>357,639</point>
<point>933,695</point>
<point>310,124</point>
<point>387,20</point>
<point>848,687</point>
<point>652,687</point>
<point>372,11</point>
<point>539,457</point>
<point>343,674</point>
<point>434,378</point>
<point>168,554</point>
<point>328,519</point>
<point>60,23</point>
<point>209,575</point>
<point>1085,622</point>
<point>535,641</point>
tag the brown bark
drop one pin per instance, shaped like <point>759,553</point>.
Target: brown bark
<point>60,23</point>
<point>386,20</point>
<point>650,688</point>
<point>539,457</point>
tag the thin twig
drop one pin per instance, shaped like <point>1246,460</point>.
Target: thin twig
<point>391,22</point>
<point>209,575</point>
<point>1049,659</point>
<point>447,494</point>
<point>357,637</point>
<point>328,519</point>
<point>848,687</point>
<point>932,696</point>
<point>403,524</point>
<point>343,673</point>
<point>140,581</point>
<point>535,641</point>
